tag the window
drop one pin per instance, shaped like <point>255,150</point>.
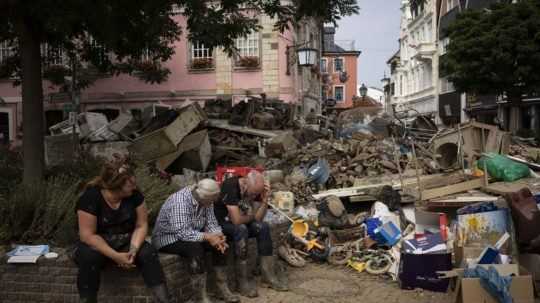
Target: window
<point>199,51</point>
<point>6,51</point>
<point>323,93</point>
<point>339,93</point>
<point>248,46</point>
<point>443,46</point>
<point>201,57</point>
<point>338,65</point>
<point>53,55</point>
<point>324,65</point>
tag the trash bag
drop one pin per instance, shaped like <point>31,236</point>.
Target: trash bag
<point>496,285</point>
<point>503,168</point>
<point>319,172</point>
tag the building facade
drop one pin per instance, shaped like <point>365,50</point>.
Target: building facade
<point>339,70</point>
<point>266,63</point>
<point>415,72</point>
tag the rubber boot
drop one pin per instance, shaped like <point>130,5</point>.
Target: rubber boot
<point>200,292</point>
<point>88,299</point>
<point>223,292</point>
<point>161,294</point>
<point>268,269</point>
<point>246,287</point>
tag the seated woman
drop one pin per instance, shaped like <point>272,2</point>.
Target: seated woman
<point>112,219</point>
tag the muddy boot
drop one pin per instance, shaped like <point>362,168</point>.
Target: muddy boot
<point>247,288</point>
<point>200,293</point>
<point>268,269</point>
<point>88,299</point>
<point>161,294</point>
<point>223,292</point>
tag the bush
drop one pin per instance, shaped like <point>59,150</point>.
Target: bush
<point>46,212</point>
<point>43,212</point>
<point>154,189</point>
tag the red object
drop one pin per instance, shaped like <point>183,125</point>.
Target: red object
<point>225,172</point>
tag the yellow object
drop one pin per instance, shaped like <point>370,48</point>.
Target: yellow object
<point>299,228</point>
<point>358,266</point>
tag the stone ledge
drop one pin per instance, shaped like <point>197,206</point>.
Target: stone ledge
<point>55,280</point>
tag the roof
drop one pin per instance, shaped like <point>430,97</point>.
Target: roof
<point>394,56</point>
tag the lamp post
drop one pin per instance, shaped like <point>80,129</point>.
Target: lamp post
<point>363,91</point>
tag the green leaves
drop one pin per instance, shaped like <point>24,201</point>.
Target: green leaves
<point>111,35</point>
<point>496,50</point>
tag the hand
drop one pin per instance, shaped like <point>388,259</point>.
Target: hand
<point>123,260</point>
<point>266,193</point>
<point>222,247</point>
<point>133,250</point>
<point>215,239</point>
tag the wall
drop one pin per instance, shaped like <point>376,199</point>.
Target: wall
<point>185,85</point>
<point>54,281</point>
<point>350,63</point>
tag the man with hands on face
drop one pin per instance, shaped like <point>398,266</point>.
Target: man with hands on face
<point>186,226</point>
<point>240,212</point>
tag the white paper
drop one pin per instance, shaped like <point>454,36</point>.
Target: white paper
<point>23,259</point>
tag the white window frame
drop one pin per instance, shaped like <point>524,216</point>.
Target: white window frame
<point>249,46</point>
<point>344,98</point>
<point>342,64</point>
<point>61,59</point>
<point>6,51</point>
<point>324,63</point>
<point>198,47</point>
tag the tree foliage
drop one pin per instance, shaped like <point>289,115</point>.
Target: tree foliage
<point>495,50</point>
<point>112,36</point>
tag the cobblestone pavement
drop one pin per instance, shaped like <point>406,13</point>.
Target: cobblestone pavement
<point>324,284</point>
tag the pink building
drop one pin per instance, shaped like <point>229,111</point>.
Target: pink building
<point>267,64</point>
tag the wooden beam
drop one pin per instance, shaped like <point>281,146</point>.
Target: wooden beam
<point>452,189</point>
<point>241,129</point>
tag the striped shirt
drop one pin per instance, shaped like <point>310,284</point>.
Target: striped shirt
<point>181,218</point>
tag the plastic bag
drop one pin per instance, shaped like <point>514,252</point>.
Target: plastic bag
<point>503,168</point>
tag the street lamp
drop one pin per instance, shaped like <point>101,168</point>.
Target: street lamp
<point>363,91</point>
<point>307,56</point>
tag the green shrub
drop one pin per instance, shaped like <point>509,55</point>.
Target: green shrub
<point>40,213</point>
<point>154,189</point>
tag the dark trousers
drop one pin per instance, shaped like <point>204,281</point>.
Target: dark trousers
<point>90,263</point>
<point>196,254</point>
<point>240,233</point>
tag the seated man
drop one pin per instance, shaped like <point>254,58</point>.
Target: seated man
<point>240,218</point>
<point>186,226</point>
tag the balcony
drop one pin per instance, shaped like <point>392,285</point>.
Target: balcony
<point>425,51</point>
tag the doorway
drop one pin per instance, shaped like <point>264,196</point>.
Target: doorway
<point>4,128</point>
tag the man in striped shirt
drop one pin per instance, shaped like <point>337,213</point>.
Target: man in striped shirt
<point>186,226</point>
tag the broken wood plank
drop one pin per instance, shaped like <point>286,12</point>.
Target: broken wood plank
<point>467,199</point>
<point>503,188</point>
<point>222,124</point>
<point>452,189</point>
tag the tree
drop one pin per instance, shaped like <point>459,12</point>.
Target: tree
<point>112,35</point>
<point>496,50</point>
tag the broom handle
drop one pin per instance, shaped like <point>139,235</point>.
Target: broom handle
<point>280,212</point>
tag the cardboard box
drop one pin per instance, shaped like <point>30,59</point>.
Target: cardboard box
<point>195,153</point>
<point>469,290</point>
<point>165,141</point>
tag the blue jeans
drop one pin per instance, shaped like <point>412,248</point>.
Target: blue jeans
<point>239,234</point>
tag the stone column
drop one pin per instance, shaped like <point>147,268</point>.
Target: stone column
<point>224,70</point>
<point>270,57</point>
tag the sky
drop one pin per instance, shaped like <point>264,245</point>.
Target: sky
<point>376,32</point>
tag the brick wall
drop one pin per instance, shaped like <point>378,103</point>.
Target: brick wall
<point>55,280</point>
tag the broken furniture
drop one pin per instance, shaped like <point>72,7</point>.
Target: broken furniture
<point>165,141</point>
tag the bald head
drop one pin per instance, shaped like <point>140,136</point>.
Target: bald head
<point>255,182</point>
